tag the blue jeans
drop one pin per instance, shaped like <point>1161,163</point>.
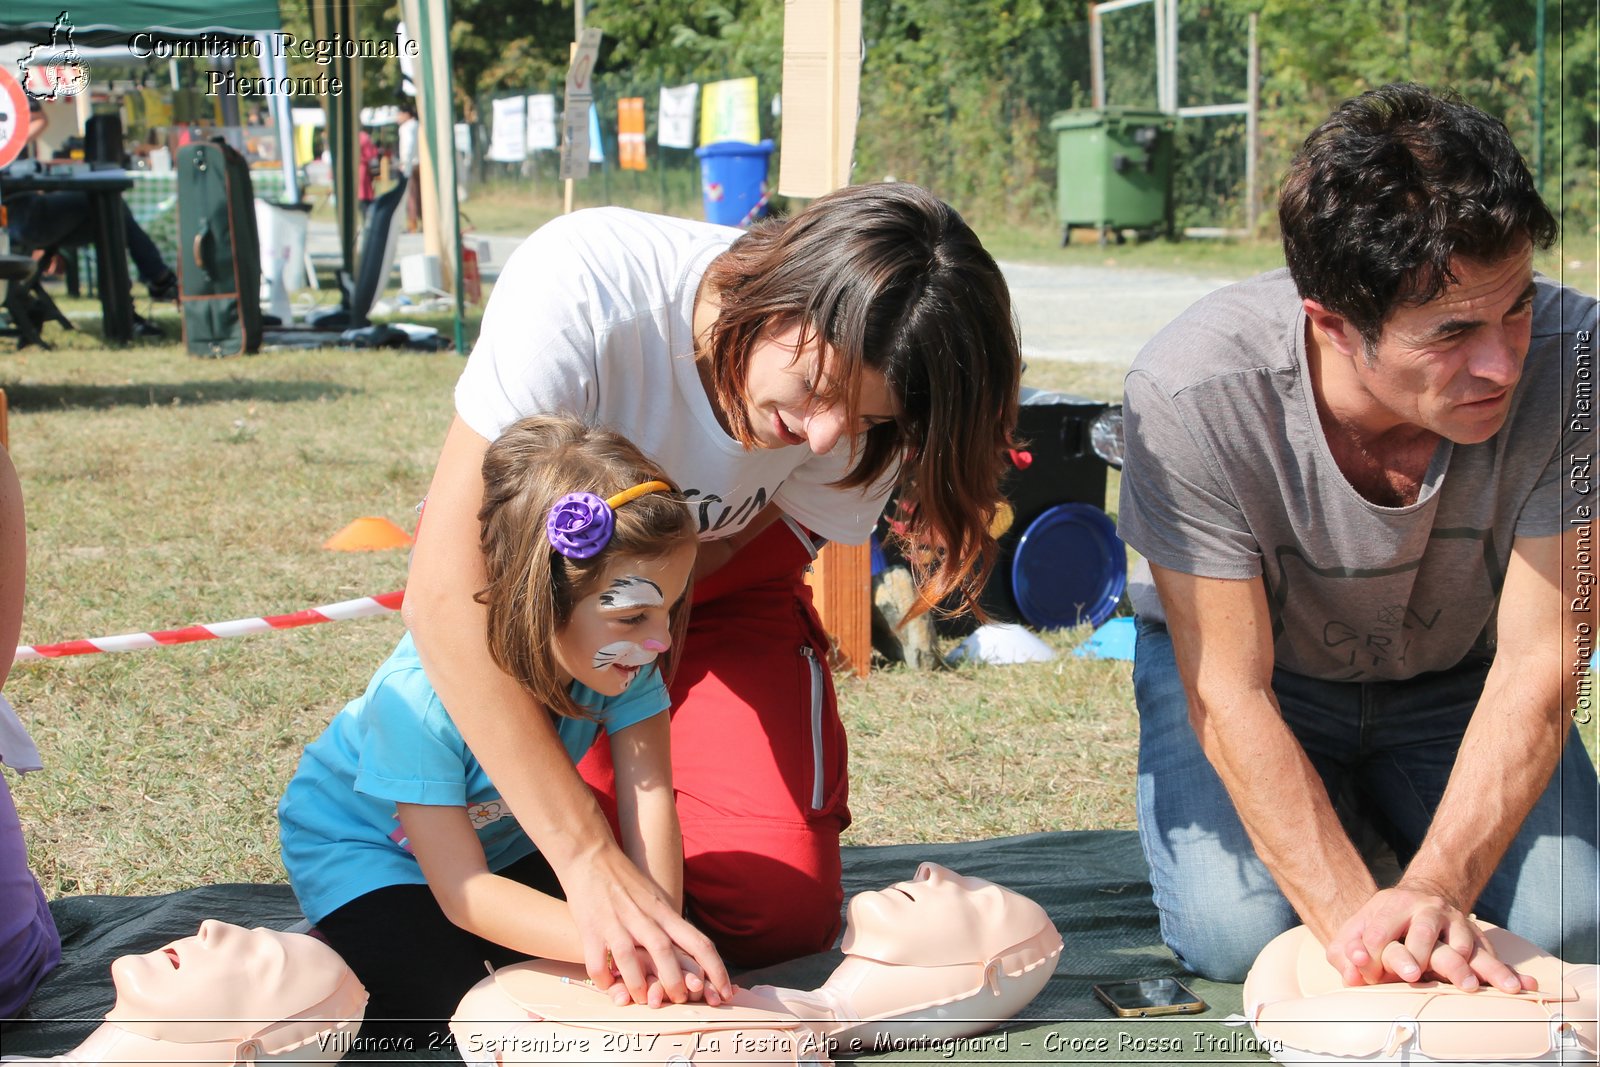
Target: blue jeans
<point>45,220</point>
<point>1391,744</point>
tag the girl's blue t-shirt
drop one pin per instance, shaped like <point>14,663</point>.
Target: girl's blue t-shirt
<point>394,744</point>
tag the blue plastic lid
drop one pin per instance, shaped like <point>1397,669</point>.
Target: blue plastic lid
<point>734,148</point>
<point>1069,568</point>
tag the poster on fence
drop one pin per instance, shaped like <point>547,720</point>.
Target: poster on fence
<point>630,133</point>
<point>541,121</point>
<point>305,139</point>
<point>508,136</point>
<point>728,112</point>
<point>677,116</point>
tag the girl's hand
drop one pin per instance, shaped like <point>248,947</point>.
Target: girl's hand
<point>632,933</point>
<point>655,994</point>
<point>699,988</point>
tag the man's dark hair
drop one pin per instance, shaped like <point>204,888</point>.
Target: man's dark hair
<point>1394,185</point>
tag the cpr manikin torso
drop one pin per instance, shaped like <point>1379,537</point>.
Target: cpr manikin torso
<point>1302,1011</point>
<point>938,957</point>
<point>228,996</point>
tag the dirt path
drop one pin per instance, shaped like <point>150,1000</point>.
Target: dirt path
<point>1067,312</point>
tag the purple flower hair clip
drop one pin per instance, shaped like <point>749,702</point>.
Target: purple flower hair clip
<point>579,525</point>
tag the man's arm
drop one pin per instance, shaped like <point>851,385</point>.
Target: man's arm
<point>1510,751</point>
<point>1222,641</point>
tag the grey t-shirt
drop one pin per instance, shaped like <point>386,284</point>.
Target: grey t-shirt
<point>1228,475</point>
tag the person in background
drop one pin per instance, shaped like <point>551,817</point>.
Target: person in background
<point>365,173</point>
<point>409,160</point>
<point>63,218</point>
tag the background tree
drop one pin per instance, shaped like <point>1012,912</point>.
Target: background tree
<point>958,95</point>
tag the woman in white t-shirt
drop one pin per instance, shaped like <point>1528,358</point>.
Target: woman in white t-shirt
<point>786,378</point>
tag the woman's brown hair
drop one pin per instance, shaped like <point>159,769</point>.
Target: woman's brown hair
<point>893,280</point>
<point>532,588</point>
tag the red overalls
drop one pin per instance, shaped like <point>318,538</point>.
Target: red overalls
<point>758,759</point>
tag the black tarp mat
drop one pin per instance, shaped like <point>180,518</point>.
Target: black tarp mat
<point>1093,884</point>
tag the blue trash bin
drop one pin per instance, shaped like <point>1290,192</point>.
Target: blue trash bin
<point>733,181</point>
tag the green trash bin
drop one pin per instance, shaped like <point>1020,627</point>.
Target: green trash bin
<point>1114,170</point>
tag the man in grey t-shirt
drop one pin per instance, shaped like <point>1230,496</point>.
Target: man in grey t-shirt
<point>1362,487</point>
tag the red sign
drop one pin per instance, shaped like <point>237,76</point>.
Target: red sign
<point>13,117</point>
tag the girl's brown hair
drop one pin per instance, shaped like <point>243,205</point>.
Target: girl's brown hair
<point>532,588</point>
<point>893,280</point>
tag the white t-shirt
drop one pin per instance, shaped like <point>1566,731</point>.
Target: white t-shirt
<point>593,316</point>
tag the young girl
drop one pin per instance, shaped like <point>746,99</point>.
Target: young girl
<point>398,846</point>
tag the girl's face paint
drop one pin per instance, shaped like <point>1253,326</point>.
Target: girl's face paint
<point>627,657</point>
<point>628,654</point>
<point>631,591</point>
<point>615,633</point>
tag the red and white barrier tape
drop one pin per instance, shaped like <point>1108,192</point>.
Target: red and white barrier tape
<point>750,216</point>
<point>345,609</point>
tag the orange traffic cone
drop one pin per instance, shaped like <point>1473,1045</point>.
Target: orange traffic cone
<point>369,534</point>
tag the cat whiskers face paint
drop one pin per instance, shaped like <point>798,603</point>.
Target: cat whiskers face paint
<point>628,657</point>
<point>624,620</point>
<point>630,592</point>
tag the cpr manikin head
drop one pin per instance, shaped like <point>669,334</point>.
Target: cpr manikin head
<point>1302,1011</point>
<point>939,956</point>
<point>933,958</point>
<point>228,995</point>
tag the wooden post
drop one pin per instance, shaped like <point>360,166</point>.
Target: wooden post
<point>821,72</point>
<point>841,583</point>
<point>1097,59</point>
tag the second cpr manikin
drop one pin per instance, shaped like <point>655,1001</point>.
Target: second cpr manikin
<point>932,959</point>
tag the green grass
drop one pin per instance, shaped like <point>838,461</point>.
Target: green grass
<point>981,751</point>
<point>164,490</point>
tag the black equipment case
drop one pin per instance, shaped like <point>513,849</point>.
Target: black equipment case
<point>219,252</point>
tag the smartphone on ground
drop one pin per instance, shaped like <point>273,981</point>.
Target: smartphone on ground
<point>1149,996</point>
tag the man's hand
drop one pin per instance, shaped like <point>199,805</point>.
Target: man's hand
<point>1408,934</point>
<point>631,933</point>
